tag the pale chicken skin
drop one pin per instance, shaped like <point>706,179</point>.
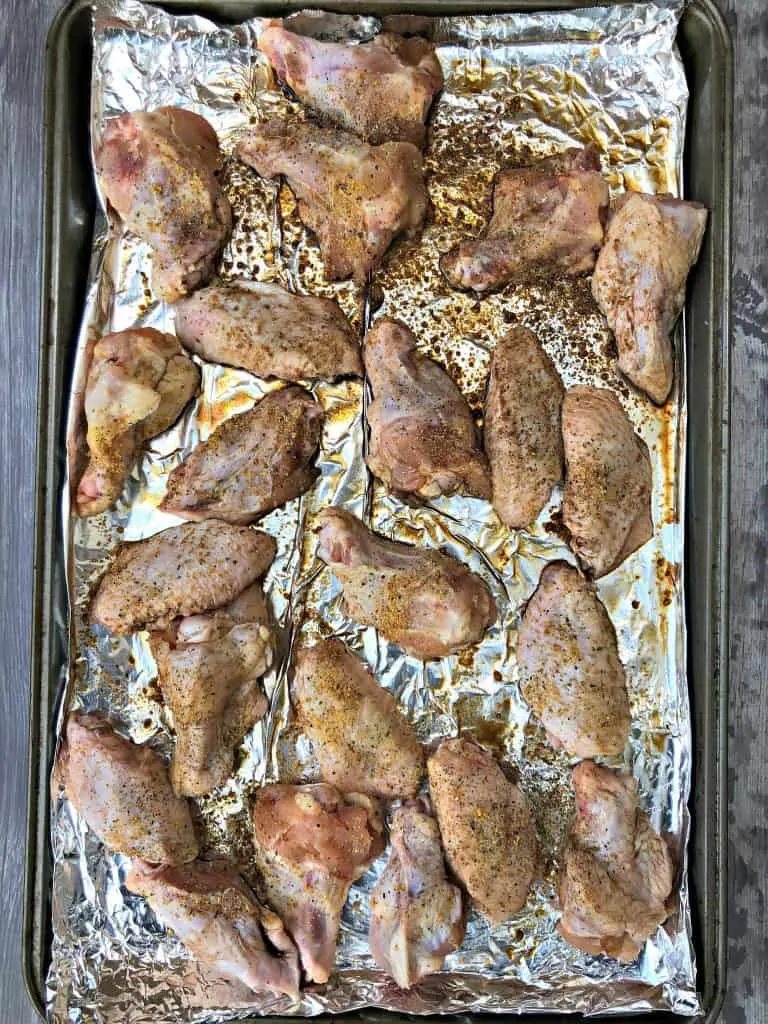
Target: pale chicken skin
<point>381,90</point>
<point>311,843</point>
<point>269,331</point>
<point>608,484</point>
<point>417,915</point>
<point>123,792</point>
<point>252,463</point>
<point>617,873</point>
<point>209,667</point>
<point>355,198</point>
<point>639,282</point>
<point>363,741</point>
<point>211,910</point>
<point>486,825</point>
<point>138,384</point>
<point>546,218</point>
<point>159,171</point>
<point>423,438</point>
<point>426,602</point>
<point>180,571</point>
<point>570,672</point>
<point>523,438</point>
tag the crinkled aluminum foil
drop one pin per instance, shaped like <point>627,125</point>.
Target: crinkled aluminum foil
<point>517,85</point>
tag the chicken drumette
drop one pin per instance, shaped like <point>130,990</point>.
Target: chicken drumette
<point>380,90</point>
<point>356,198</point>
<point>138,383</point>
<point>425,601</point>
<point>159,171</point>
<point>423,438</point>
<point>617,872</point>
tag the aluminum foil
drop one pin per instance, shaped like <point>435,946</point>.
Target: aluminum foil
<point>517,86</point>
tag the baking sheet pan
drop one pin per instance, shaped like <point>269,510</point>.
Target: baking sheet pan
<point>710,373</point>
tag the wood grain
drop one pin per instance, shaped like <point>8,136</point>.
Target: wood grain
<point>23,27</point>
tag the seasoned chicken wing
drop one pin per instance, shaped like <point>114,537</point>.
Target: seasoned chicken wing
<point>381,90</point>
<point>159,171</point>
<point>547,217</point>
<point>212,911</point>
<point>417,916</point>
<point>363,741</point>
<point>570,672</point>
<point>269,331</point>
<point>311,843</point>
<point>425,601</point>
<point>209,666</point>
<point>639,282</point>
<point>356,198</point>
<point>486,827</point>
<point>252,463</point>
<point>179,572</point>
<point>617,872</point>
<point>138,384</point>
<point>523,439</point>
<point>607,497</point>
<point>123,792</point>
<point>423,438</point>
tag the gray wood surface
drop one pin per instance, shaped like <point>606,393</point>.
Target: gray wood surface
<point>23,27</point>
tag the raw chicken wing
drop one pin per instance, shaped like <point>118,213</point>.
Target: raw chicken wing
<point>252,463</point>
<point>617,872</point>
<point>486,827</point>
<point>380,90</point>
<point>311,844</point>
<point>269,331</point>
<point>123,792</point>
<point>423,437</point>
<point>523,438</point>
<point>179,572</point>
<point>570,672</point>
<point>159,172</point>
<point>639,282</point>
<point>607,497</point>
<point>212,911</point>
<point>417,916</point>
<point>209,667</point>
<point>138,384</point>
<point>425,601</point>
<point>356,198</point>
<point>363,741</point>
<point>547,217</point>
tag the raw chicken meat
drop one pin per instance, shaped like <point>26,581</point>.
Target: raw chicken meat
<point>607,497</point>
<point>547,217</point>
<point>570,672</point>
<point>212,911</point>
<point>381,90</point>
<point>269,331</point>
<point>311,843</point>
<point>252,463</point>
<point>423,437</point>
<point>356,198</point>
<point>363,741</point>
<point>123,792</point>
<point>639,282</point>
<point>617,873</point>
<point>179,572</point>
<point>427,602</point>
<point>138,384</point>
<point>523,438</point>
<point>417,916</point>
<point>486,827</point>
<point>159,171</point>
<point>209,667</point>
